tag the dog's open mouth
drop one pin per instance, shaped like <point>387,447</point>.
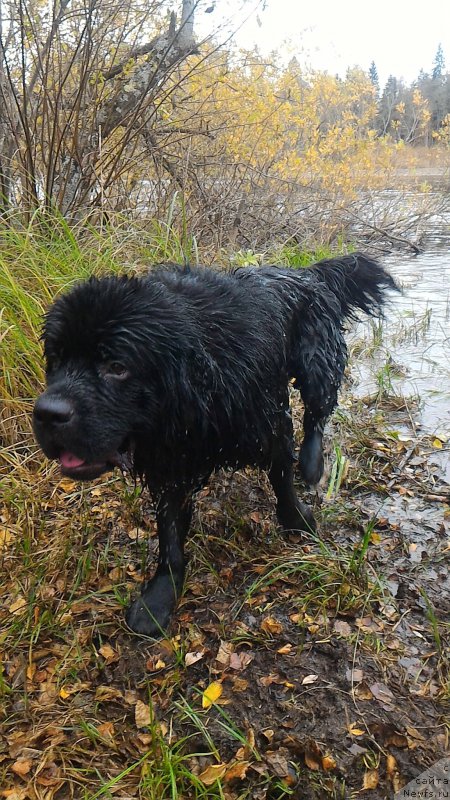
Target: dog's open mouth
<point>72,466</point>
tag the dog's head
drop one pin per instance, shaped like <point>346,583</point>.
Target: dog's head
<point>101,343</point>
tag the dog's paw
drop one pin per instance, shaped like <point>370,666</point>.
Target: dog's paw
<point>299,518</point>
<point>310,460</point>
<point>150,613</point>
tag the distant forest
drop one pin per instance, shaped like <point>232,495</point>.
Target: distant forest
<point>418,113</point>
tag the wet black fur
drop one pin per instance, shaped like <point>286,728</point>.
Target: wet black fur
<point>207,358</point>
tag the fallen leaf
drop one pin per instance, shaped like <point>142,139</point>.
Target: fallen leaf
<point>393,773</point>
<point>67,485</point>
<point>106,729</point>
<point>382,693</point>
<point>22,766</point>
<point>240,661</point>
<point>367,624</point>
<point>240,685</point>
<point>285,650</point>
<point>278,762</point>
<point>355,731</point>
<point>328,762</point>
<point>371,779</point>
<point>224,654</point>
<point>311,761</point>
<point>342,627</point>
<point>106,693</point>
<point>271,625</point>
<point>67,691</point>
<point>212,773</point>
<point>6,537</point>
<point>50,776</point>
<point>354,675</point>
<point>211,694</point>
<point>313,628</point>
<point>237,771</point>
<point>108,653</point>
<point>18,605</point>
<point>192,658</point>
<point>309,679</point>
<point>142,714</point>
<point>362,691</point>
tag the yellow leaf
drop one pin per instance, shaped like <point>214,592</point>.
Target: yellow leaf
<point>67,485</point>
<point>438,444</point>
<point>354,731</point>
<point>283,651</point>
<point>328,762</point>
<point>18,605</point>
<point>68,690</point>
<point>271,625</point>
<point>211,694</point>
<point>391,765</point>
<point>6,537</point>
<point>212,773</point>
<point>371,779</point>
<point>108,653</point>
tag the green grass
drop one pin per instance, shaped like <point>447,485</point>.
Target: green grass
<point>293,255</point>
<point>288,255</point>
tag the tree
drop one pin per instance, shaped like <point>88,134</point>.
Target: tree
<point>388,102</point>
<point>79,87</point>
<point>373,75</point>
<point>438,64</point>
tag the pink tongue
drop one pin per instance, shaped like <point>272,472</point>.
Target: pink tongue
<point>69,460</point>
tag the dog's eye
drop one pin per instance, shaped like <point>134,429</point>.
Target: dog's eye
<point>114,369</point>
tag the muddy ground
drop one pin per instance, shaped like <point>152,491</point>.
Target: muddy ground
<point>325,657</point>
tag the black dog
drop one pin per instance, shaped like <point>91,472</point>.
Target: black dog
<point>181,372</point>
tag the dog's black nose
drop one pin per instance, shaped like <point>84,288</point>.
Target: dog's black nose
<point>52,410</point>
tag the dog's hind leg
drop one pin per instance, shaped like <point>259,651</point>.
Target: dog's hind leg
<point>318,372</point>
<point>310,459</point>
<point>150,613</point>
<point>291,512</point>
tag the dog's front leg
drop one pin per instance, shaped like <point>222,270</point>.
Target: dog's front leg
<point>150,614</point>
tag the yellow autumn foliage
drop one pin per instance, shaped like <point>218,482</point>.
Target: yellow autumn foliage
<point>280,125</point>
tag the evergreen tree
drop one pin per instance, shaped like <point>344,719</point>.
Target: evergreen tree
<point>373,75</point>
<point>438,63</point>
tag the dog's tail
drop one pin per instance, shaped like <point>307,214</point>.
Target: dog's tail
<point>357,281</point>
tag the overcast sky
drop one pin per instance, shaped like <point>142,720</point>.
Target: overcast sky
<point>401,36</point>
